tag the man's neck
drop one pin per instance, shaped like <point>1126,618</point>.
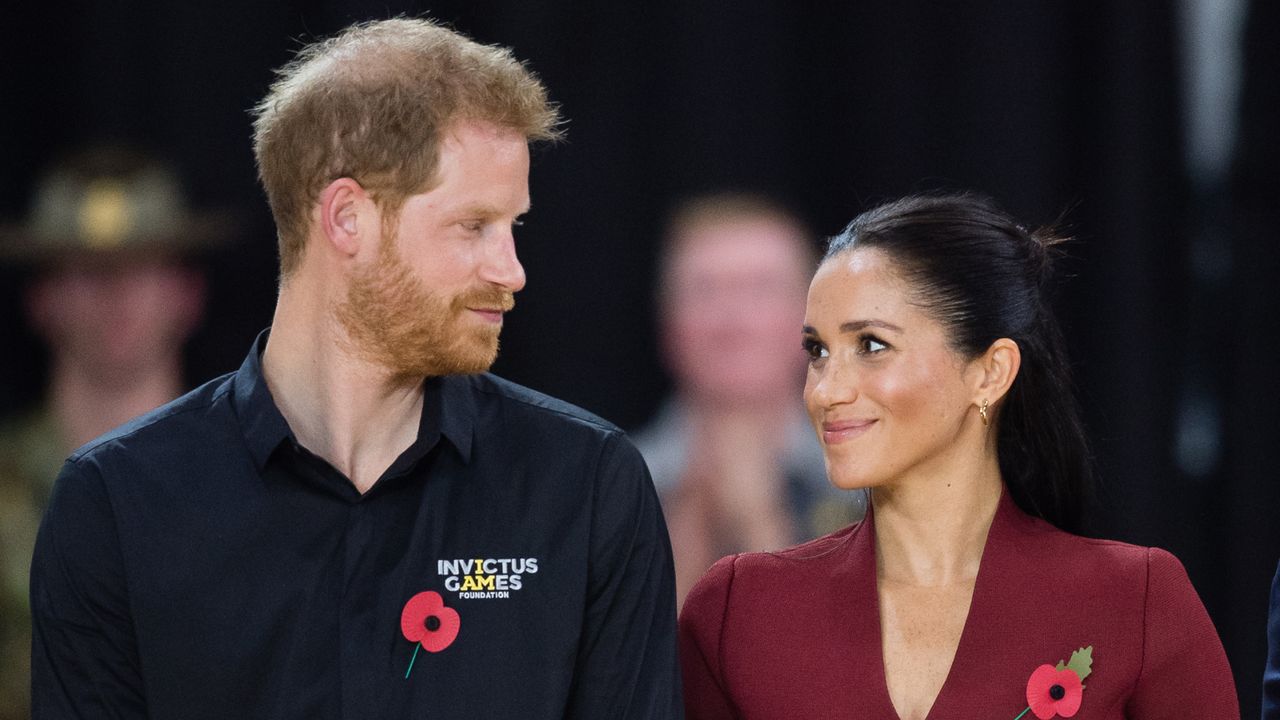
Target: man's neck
<point>86,405</point>
<point>355,415</point>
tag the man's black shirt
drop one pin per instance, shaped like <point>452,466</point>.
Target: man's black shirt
<point>200,563</point>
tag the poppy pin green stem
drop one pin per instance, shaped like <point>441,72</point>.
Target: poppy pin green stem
<point>416,648</point>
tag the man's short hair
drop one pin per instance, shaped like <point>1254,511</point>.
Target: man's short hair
<point>372,104</point>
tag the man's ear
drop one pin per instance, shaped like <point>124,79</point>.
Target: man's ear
<point>994,371</point>
<point>349,219</point>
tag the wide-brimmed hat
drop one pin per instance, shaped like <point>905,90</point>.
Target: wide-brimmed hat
<point>110,202</point>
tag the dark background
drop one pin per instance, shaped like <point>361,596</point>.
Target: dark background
<point>1050,106</point>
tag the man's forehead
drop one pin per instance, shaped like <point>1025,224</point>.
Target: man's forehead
<point>481,171</point>
<point>466,131</point>
<point>474,208</point>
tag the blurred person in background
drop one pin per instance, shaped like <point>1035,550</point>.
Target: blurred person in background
<point>111,294</point>
<point>731,452</point>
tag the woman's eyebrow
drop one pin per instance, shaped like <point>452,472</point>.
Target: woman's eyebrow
<point>856,325</point>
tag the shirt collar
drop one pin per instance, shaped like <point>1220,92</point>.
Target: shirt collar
<point>263,426</point>
<point>448,411</point>
<point>454,396</point>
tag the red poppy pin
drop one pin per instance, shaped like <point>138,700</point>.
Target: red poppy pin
<point>1057,691</point>
<point>427,621</point>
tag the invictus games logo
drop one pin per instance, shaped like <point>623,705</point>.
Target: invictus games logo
<point>481,578</point>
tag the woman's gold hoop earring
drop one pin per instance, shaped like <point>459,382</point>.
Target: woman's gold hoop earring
<point>983,412</point>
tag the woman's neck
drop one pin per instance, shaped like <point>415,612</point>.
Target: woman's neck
<point>931,529</point>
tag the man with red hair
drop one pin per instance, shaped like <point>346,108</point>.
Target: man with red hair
<point>360,522</point>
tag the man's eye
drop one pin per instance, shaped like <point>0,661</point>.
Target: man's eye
<point>473,226</point>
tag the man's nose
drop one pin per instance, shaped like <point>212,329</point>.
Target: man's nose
<point>501,266</point>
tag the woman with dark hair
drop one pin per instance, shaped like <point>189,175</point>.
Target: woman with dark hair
<point>938,380</point>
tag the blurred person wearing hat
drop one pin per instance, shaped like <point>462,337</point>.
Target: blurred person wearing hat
<point>731,451</point>
<point>110,293</point>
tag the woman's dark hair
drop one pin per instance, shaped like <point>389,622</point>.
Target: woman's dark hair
<point>985,277</point>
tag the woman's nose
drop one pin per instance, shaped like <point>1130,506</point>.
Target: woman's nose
<point>832,384</point>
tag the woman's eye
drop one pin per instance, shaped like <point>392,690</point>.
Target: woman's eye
<point>870,345</point>
<point>473,226</point>
<point>814,350</point>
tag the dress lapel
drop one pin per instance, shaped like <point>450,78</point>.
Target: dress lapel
<point>985,639</point>
<point>997,573</point>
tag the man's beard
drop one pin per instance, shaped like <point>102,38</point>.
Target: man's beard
<point>395,322</point>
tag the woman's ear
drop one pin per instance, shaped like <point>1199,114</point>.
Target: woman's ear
<point>994,371</point>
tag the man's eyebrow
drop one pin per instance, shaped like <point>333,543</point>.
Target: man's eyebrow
<point>477,210</point>
<point>855,325</point>
<point>484,211</point>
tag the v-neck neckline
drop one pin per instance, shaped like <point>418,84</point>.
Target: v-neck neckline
<point>978,601</point>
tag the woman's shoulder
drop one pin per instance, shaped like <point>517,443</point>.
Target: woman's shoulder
<point>806,557</point>
<point>1160,570</point>
<point>1028,524</point>
<point>1138,604</point>
<point>807,565</point>
<point>1102,561</point>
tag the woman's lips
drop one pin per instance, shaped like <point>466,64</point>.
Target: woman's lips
<point>843,430</point>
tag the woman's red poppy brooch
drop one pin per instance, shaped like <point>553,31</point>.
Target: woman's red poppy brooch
<point>1057,691</point>
<point>427,621</point>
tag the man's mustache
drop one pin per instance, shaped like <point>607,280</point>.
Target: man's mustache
<point>489,298</point>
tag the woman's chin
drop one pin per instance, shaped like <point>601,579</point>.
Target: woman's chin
<point>850,480</point>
